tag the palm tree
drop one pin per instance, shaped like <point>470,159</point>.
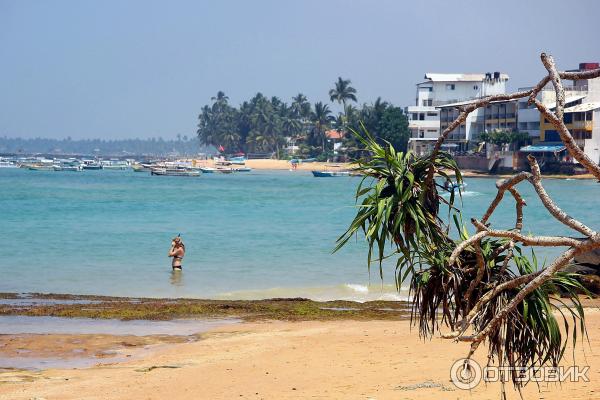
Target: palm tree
<point>321,119</point>
<point>220,98</point>
<point>343,92</point>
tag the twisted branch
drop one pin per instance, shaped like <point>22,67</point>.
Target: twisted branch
<point>576,246</point>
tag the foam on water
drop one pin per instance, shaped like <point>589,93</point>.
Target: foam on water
<point>349,292</point>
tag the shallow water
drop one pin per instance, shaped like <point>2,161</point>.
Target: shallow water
<point>252,235</point>
<point>20,324</point>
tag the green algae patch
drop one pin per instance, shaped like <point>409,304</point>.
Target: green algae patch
<point>293,309</point>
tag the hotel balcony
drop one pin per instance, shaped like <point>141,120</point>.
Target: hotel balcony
<point>586,125</point>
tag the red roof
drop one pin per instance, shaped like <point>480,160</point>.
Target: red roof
<point>334,134</point>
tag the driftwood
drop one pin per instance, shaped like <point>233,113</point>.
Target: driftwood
<point>588,242</point>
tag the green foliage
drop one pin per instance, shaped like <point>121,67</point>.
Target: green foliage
<point>266,125</point>
<point>500,137</point>
<point>383,121</point>
<point>399,207</point>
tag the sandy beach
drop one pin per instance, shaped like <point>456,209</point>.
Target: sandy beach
<point>342,359</point>
<point>276,165</point>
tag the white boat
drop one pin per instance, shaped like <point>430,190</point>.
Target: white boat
<point>243,169</point>
<point>174,172</point>
<point>41,167</point>
<point>8,164</point>
<point>68,168</point>
<point>114,165</point>
<point>208,170</point>
<point>91,165</point>
<point>330,174</point>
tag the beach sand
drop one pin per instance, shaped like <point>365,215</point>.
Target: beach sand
<point>295,360</point>
<point>320,166</point>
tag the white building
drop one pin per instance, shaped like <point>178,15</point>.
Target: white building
<point>581,117</point>
<point>439,90</point>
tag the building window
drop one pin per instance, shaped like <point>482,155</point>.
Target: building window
<point>415,116</point>
<point>450,86</point>
<point>421,117</point>
<point>475,87</point>
<point>551,136</point>
<point>431,114</point>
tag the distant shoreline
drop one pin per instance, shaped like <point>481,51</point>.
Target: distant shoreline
<point>285,165</point>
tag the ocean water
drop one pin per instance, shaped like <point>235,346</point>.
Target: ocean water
<point>248,235</point>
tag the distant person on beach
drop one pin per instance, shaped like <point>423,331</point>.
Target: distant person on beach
<point>177,251</point>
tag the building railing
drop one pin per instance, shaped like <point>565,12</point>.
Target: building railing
<point>587,125</point>
<point>551,88</point>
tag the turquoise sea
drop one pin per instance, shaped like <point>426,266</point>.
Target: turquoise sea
<point>248,235</point>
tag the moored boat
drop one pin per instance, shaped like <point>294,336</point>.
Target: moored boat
<point>330,174</point>
<point>208,170</point>
<point>8,164</point>
<point>174,172</point>
<point>91,165</point>
<point>41,167</point>
<point>114,165</point>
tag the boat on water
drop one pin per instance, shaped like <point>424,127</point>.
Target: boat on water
<point>242,169</point>
<point>68,168</point>
<point>41,167</point>
<point>137,167</point>
<point>174,172</point>
<point>329,174</point>
<point>226,170</point>
<point>91,165</point>
<point>208,170</point>
<point>8,164</point>
<point>114,165</point>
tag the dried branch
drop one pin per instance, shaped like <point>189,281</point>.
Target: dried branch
<point>536,181</point>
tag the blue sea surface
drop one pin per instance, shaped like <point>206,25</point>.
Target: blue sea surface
<point>248,235</point>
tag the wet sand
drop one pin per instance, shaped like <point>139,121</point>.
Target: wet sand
<point>341,359</point>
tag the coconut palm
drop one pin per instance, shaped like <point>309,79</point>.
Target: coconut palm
<point>343,92</point>
<point>220,98</point>
<point>321,119</point>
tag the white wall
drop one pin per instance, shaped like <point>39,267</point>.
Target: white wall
<point>592,146</point>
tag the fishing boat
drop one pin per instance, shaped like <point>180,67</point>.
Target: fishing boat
<point>174,172</point>
<point>242,169</point>
<point>208,170</point>
<point>140,167</point>
<point>114,165</point>
<point>90,165</point>
<point>41,167</point>
<point>238,160</point>
<point>8,164</point>
<point>329,174</point>
<point>226,170</point>
<point>67,168</point>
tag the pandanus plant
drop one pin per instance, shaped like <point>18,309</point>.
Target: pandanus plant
<point>399,211</point>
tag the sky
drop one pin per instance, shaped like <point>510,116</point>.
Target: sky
<point>139,69</point>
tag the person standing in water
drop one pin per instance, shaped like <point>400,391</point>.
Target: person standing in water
<point>177,251</point>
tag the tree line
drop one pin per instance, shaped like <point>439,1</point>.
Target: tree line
<point>182,145</point>
<point>271,125</point>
